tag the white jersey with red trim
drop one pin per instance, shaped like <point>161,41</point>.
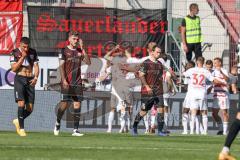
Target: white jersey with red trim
<point>197,82</point>
<point>220,90</point>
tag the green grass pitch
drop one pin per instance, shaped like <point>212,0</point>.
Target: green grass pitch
<point>103,146</point>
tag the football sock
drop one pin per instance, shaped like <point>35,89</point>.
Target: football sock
<point>233,131</point>
<point>60,113</point>
<point>26,113</point>
<point>110,120</point>
<point>20,117</point>
<point>76,117</point>
<point>138,118</point>
<point>225,128</point>
<point>205,123</point>
<point>185,122</point>
<point>160,121</point>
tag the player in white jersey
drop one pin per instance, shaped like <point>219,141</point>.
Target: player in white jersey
<point>186,108</point>
<point>121,95</point>
<point>197,91</point>
<point>168,90</point>
<point>220,97</point>
<point>121,98</point>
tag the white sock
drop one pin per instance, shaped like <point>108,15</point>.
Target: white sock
<point>185,122</point>
<point>110,120</point>
<point>225,128</point>
<point>122,121</point>
<point>145,118</point>
<point>225,149</point>
<point>197,121</point>
<point>129,122</point>
<point>165,121</point>
<point>205,123</point>
<point>192,123</point>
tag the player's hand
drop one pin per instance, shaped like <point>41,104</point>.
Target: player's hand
<point>33,82</point>
<point>185,48</point>
<point>24,53</point>
<point>65,84</point>
<point>81,43</point>
<point>148,89</point>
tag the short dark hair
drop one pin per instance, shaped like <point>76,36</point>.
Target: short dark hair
<point>151,46</point>
<point>201,60</point>
<point>209,62</point>
<point>218,59</point>
<point>73,33</point>
<point>25,40</point>
<point>193,5</point>
<point>191,63</point>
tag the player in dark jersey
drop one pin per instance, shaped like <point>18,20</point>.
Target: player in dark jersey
<point>71,81</point>
<point>24,62</point>
<point>150,74</point>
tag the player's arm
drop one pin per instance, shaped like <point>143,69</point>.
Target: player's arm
<point>168,69</point>
<point>86,58</point>
<point>170,83</point>
<point>128,68</point>
<point>36,74</point>
<point>104,76</point>
<point>16,64</point>
<point>209,90</point>
<point>183,35</point>
<point>225,76</point>
<point>109,53</point>
<point>62,60</point>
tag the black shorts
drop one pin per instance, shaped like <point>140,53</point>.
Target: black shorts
<point>73,93</point>
<point>148,102</point>
<point>196,48</point>
<point>23,90</point>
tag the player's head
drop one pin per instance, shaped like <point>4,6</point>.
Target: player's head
<point>189,65</point>
<point>209,64</point>
<point>73,38</point>
<point>24,44</point>
<point>151,46</point>
<point>200,61</point>
<point>156,52</point>
<point>194,8</point>
<point>153,50</point>
<point>217,62</point>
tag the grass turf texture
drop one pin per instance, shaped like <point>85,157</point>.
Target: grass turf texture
<point>45,146</point>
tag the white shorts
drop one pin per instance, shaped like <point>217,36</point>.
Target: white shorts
<point>120,99</point>
<point>221,102</point>
<point>198,104</point>
<point>186,102</point>
<point>193,103</point>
